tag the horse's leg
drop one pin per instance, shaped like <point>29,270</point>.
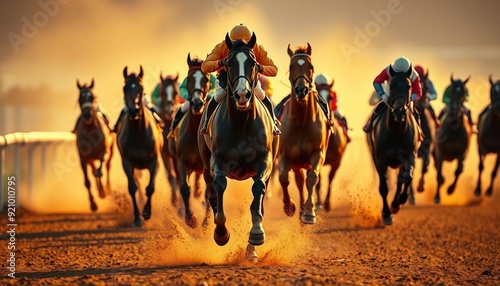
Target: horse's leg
<point>458,171</point>
<point>384,190</point>
<point>150,189</point>
<point>132,188</point>
<point>425,168</point>
<point>317,160</point>
<point>440,179</point>
<point>331,175</point>
<point>299,180</point>
<point>210,196</point>
<point>221,234</point>
<point>109,157</point>
<point>489,191</point>
<point>183,174</point>
<point>288,204</point>
<point>257,235</point>
<point>98,177</point>
<point>197,186</point>
<point>477,192</point>
<point>319,204</point>
<point>93,205</point>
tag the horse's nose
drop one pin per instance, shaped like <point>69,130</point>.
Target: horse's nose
<point>301,91</point>
<point>197,105</point>
<point>87,113</point>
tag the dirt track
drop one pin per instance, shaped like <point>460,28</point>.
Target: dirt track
<point>427,245</point>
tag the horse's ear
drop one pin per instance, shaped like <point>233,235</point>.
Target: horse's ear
<point>125,72</point>
<point>491,80</point>
<point>229,43</point>
<point>177,76</point>
<point>141,73</point>
<point>391,71</point>
<point>252,41</point>
<point>189,59</point>
<point>466,80</point>
<point>161,76</point>
<point>309,50</point>
<point>331,84</point>
<point>451,78</point>
<point>78,84</point>
<point>290,52</point>
<point>426,73</point>
<point>92,84</point>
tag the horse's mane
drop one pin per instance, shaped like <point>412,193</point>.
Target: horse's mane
<point>300,50</point>
<point>196,61</point>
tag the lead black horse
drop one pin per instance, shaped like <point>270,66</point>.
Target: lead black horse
<point>240,144</point>
<point>394,141</point>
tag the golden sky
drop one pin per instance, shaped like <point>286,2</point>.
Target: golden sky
<point>47,44</point>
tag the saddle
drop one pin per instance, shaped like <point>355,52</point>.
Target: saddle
<point>175,132</point>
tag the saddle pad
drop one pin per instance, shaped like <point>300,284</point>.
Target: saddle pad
<point>175,132</point>
<point>211,120</point>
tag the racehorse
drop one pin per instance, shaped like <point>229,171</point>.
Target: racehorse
<point>488,137</point>
<point>169,102</point>
<point>394,142</point>
<point>139,140</point>
<point>305,135</point>
<point>336,148</point>
<point>184,145</point>
<point>429,131</point>
<point>453,137</point>
<point>94,141</point>
<point>240,143</point>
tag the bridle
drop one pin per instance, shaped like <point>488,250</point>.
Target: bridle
<point>293,81</point>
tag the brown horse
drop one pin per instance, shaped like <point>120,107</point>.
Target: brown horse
<point>139,140</point>
<point>453,137</point>
<point>336,148</point>
<point>429,130</point>
<point>94,141</point>
<point>305,135</point>
<point>488,137</point>
<point>184,145</point>
<point>394,142</point>
<point>240,144</point>
<point>169,102</point>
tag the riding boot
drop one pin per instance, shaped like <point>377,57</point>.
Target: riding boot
<point>378,110</point>
<point>177,118</point>
<point>278,109</point>
<point>267,102</point>
<point>120,118</point>
<point>324,106</point>
<point>344,121</point>
<point>211,105</point>
<point>76,125</point>
<point>106,120</point>
<point>419,126</point>
<point>157,116</point>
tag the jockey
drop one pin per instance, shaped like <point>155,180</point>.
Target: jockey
<point>446,101</point>
<point>215,62</point>
<point>325,91</point>
<point>183,90</point>
<point>431,95</point>
<point>400,65</point>
<point>153,107</point>
<point>265,83</point>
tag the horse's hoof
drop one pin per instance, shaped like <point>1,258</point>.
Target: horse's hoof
<point>328,207</point>
<point>221,237</point>
<point>411,200</point>
<point>290,209</point>
<point>489,191</point>
<point>319,207</point>
<point>387,220</point>
<point>477,192</point>
<point>192,221</point>
<point>420,188</point>
<point>395,210</point>
<point>308,218</point>
<point>137,222</point>
<point>146,213</point>
<point>437,201</point>
<point>451,189</point>
<point>257,238</point>
<point>93,206</point>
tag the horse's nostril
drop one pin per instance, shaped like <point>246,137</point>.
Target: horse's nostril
<point>305,91</point>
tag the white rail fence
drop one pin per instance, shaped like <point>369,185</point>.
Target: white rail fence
<point>28,157</point>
